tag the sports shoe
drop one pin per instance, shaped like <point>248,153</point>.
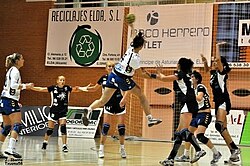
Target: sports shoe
<point>10,152</point>
<point>167,162</point>
<point>216,158</point>
<point>2,156</point>
<point>234,155</point>
<point>101,153</point>
<point>152,122</point>
<point>44,145</point>
<point>182,158</point>
<point>85,119</point>
<point>198,155</point>
<point>123,153</point>
<point>65,149</point>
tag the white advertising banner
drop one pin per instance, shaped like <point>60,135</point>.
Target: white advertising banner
<point>244,33</point>
<point>75,126</point>
<point>174,31</point>
<point>84,36</point>
<point>235,123</point>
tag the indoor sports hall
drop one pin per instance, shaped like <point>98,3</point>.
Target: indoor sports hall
<point>76,38</point>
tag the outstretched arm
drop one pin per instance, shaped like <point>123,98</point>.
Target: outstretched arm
<point>89,88</point>
<point>218,57</point>
<point>204,60</point>
<point>40,89</point>
<point>162,77</point>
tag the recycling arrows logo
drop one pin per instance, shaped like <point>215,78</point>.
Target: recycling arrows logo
<point>85,46</point>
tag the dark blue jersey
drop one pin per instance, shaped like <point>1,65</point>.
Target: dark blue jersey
<point>59,97</point>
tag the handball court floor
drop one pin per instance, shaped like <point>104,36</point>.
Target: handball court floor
<point>83,152</point>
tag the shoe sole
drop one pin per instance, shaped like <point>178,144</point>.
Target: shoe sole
<point>85,120</point>
<point>195,160</point>
<point>216,161</point>
<point>14,156</point>
<point>152,124</point>
<point>162,163</point>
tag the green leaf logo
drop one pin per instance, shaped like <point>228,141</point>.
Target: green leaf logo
<point>85,46</point>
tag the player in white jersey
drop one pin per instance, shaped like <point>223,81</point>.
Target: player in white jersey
<point>201,121</point>
<point>10,108</point>
<point>218,82</point>
<point>121,77</point>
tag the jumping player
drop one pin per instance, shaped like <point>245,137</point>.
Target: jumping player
<point>58,111</point>
<point>121,77</point>
<point>218,82</point>
<point>10,108</point>
<point>115,107</point>
<point>201,121</point>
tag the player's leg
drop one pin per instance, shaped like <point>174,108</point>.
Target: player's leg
<point>221,127</point>
<point>15,119</point>
<point>121,130</point>
<point>107,120</point>
<point>63,130</point>
<point>136,90</point>
<point>6,128</point>
<point>49,132</point>
<point>106,95</point>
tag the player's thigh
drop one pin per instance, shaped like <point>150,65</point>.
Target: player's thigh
<point>107,118</point>
<point>6,120</point>
<point>15,117</point>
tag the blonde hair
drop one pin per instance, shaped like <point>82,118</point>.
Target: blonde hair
<point>110,63</point>
<point>11,59</point>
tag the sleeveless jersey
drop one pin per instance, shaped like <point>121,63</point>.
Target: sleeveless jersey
<point>204,103</point>
<point>128,63</point>
<point>59,98</point>
<point>11,86</point>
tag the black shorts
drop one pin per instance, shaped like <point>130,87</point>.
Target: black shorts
<point>202,118</point>
<point>226,105</point>
<point>114,110</point>
<point>191,107</point>
<point>57,116</point>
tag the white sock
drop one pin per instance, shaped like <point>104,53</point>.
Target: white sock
<point>214,150</point>
<point>122,146</point>
<point>149,116</point>
<point>101,147</point>
<point>12,143</point>
<point>186,152</point>
<point>64,144</point>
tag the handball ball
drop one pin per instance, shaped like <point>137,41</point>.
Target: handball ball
<point>130,18</point>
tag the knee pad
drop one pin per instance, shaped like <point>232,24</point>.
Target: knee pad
<point>201,137</point>
<point>178,138</point>
<point>63,129</point>
<point>6,130</point>
<point>105,129</point>
<point>186,134</point>
<point>49,131</point>
<point>121,129</point>
<point>219,126</point>
<point>17,127</point>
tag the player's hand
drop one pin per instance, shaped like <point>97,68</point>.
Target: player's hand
<point>158,68</point>
<point>204,60</point>
<point>29,85</point>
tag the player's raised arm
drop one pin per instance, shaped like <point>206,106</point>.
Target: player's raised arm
<point>204,60</point>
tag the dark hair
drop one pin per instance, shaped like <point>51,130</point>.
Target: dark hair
<point>225,64</point>
<point>138,41</point>
<point>197,76</point>
<point>186,65</point>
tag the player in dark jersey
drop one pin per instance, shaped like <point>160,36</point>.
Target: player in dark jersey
<point>9,107</point>
<point>201,121</point>
<point>114,107</point>
<point>183,83</point>
<point>121,77</point>
<point>58,110</point>
<point>218,82</point>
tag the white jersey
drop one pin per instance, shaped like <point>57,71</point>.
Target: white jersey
<point>128,63</point>
<point>11,86</point>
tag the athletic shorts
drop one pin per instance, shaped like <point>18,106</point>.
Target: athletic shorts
<point>8,106</point>
<point>202,118</point>
<point>119,81</point>
<point>225,106</point>
<point>189,107</point>
<point>114,110</point>
<point>57,116</point>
